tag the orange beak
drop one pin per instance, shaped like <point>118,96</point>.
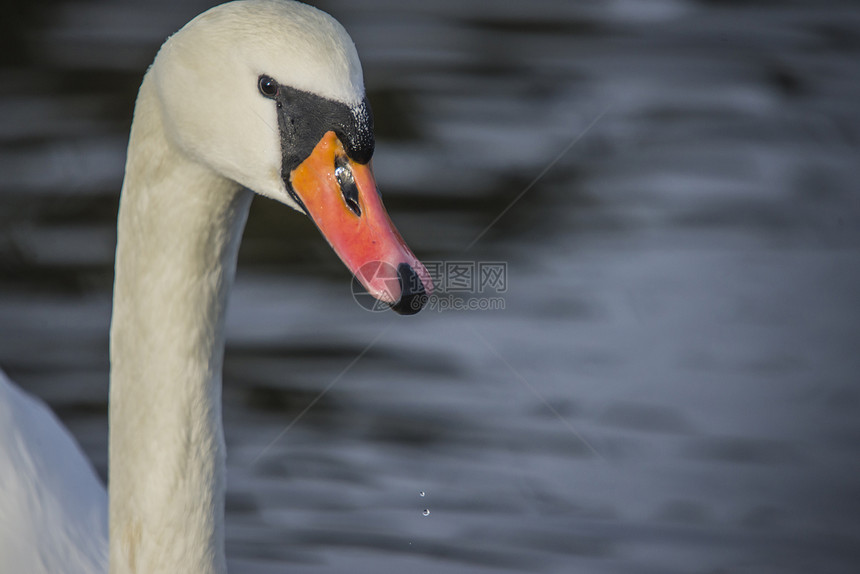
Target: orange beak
<point>341,197</point>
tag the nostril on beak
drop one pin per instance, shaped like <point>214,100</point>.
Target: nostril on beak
<point>346,181</point>
<point>413,296</point>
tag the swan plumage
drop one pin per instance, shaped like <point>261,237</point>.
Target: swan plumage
<point>46,482</point>
<point>262,96</point>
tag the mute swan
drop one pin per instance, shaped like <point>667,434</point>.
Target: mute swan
<point>261,95</point>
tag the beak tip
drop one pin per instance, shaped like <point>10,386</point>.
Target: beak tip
<point>413,295</point>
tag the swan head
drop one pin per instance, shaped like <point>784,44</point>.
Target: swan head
<point>270,94</point>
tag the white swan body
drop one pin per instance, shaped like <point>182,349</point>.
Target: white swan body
<point>53,509</point>
<point>259,95</point>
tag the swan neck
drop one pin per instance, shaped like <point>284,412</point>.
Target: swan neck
<point>179,229</point>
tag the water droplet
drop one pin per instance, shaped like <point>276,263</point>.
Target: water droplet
<point>426,512</point>
<point>421,493</point>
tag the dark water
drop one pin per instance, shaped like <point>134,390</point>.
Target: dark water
<point>672,385</point>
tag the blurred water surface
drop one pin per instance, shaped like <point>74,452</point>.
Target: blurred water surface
<point>672,385</point>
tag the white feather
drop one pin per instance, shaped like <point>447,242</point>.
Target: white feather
<point>53,508</point>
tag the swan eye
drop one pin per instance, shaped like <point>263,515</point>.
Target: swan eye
<point>268,86</point>
<point>346,181</point>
